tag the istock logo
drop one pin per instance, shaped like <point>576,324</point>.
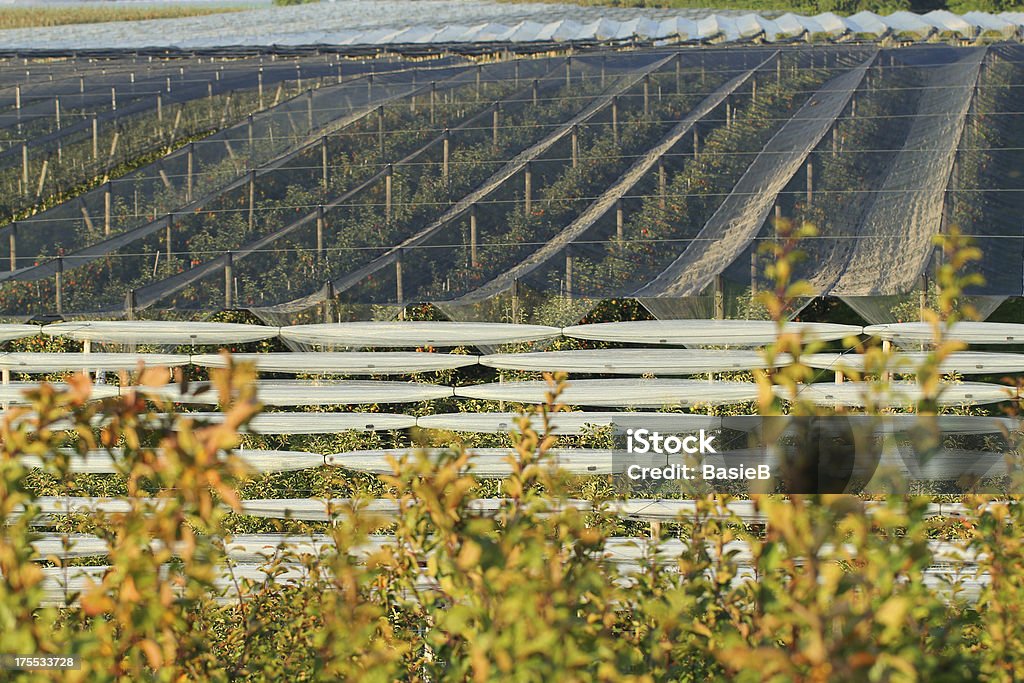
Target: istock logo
<point>642,441</point>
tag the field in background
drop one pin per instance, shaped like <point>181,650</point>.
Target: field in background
<point>29,16</point>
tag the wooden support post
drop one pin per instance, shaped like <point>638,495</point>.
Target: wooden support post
<point>58,281</point>
<point>252,146</point>
<point>568,72</point>
<point>309,111</point>
<point>575,145</point>
<point>159,107</point>
<point>719,298</point>
<point>325,178</point>
<point>259,86</point>
<point>835,142</point>
<point>252,199</point>
<point>615,119</point>
<point>228,280</point>
<point>647,94</point>
<point>515,301</point>
<point>620,223</point>
<point>320,233</point>
<point>17,105</point>
<point>479,69</point>
<point>13,242</point>
<point>515,69</point>
<point>167,237</point>
<point>388,173</point>
<point>662,184</point>
<point>445,144</point>
<point>494,125</point>
<point>56,111</point>
<point>810,182</point>
<point>472,236</point>
<point>95,139</point>
<point>696,142</point>
<point>753,89</point>
<point>399,284</point>
<point>753,272</point>
<point>568,274</point>
<point>113,98</point>
<point>535,92</point>
<point>42,178</point>
<point>380,132</point>
<point>604,69</point>
<point>190,162</point>
<point>24,167</point>
<point>778,220</point>
<point>679,73</point>
<point>433,101</point>
<point>528,188</point>
<point>108,200</point>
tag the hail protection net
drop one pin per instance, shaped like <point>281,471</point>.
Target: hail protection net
<point>55,135</point>
<point>106,241</point>
<point>531,189</point>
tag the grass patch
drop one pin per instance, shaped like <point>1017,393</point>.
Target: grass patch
<point>35,15</point>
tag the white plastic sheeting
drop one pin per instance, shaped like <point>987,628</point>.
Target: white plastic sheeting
<point>634,361</point>
<point>415,334</point>
<point>619,393</point>
<point>15,392</point>
<point>73,362</point>
<point>967,332</point>
<point>106,462</point>
<point>289,393</point>
<point>396,22</point>
<point>900,394</point>
<point>9,332</point>
<point>964,362</point>
<point>347,363</point>
<point>160,332</point>
<point>490,462</point>
<point>707,332</point>
<point>318,509</point>
<point>580,422</point>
